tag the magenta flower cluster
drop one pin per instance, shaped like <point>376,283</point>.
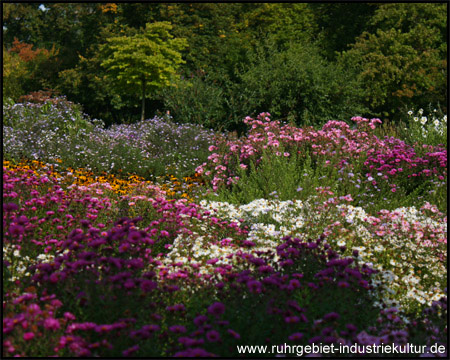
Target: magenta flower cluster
<point>388,157</point>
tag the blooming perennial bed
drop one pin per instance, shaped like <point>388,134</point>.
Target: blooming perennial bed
<point>91,270</point>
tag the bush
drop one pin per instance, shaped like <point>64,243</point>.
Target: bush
<point>196,101</point>
<point>57,130</point>
<point>275,159</point>
<point>300,86</point>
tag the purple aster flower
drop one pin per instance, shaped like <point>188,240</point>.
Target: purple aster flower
<point>187,341</point>
<point>213,336</point>
<point>10,207</point>
<point>291,319</point>
<point>294,284</point>
<point>51,324</point>
<point>265,269</point>
<point>176,307</point>
<point>85,223</point>
<point>364,338</point>
<point>296,336</point>
<point>25,297</point>
<point>148,285</point>
<point>16,230</point>
<point>315,339</point>
<point>129,284</point>
<point>178,329</point>
<point>134,236</point>
<point>200,320</point>
<point>28,336</point>
<point>130,350</point>
<point>151,328</point>
<point>254,286</point>
<point>331,316</point>
<point>22,220</point>
<point>294,305</point>
<point>216,308</point>
<point>69,316</point>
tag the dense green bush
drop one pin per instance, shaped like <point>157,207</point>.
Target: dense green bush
<point>299,85</point>
<point>196,101</point>
<point>402,59</point>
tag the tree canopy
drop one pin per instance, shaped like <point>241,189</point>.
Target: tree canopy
<point>230,60</point>
<point>144,62</point>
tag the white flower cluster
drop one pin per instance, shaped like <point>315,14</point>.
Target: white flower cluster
<point>405,245</point>
<point>412,267</point>
<point>277,218</point>
<point>429,123</point>
<point>19,264</point>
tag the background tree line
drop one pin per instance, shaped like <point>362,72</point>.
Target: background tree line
<point>217,63</point>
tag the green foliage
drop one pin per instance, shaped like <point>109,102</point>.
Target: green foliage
<point>402,62</point>
<point>22,20</point>
<point>299,85</point>
<point>283,23</point>
<point>337,29</point>
<point>275,175</point>
<point>251,57</point>
<point>14,71</point>
<point>278,175</point>
<point>212,30</point>
<point>144,62</point>
<point>195,101</point>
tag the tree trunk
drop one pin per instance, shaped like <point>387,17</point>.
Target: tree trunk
<point>143,100</point>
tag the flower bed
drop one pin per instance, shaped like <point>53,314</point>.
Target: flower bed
<point>103,265</point>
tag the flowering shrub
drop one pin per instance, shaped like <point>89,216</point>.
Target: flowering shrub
<point>136,147</point>
<point>371,166</point>
<point>406,245</point>
<point>336,138</point>
<point>150,148</point>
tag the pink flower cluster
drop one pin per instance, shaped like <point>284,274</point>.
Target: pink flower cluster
<point>336,140</point>
<point>397,158</point>
<point>50,211</point>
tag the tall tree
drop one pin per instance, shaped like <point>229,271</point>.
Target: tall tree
<point>403,60</point>
<point>144,62</point>
<point>339,24</point>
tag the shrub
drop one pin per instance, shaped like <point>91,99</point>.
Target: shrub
<point>378,173</point>
<point>57,129</point>
<point>298,85</point>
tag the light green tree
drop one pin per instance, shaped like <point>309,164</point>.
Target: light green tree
<point>144,62</point>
